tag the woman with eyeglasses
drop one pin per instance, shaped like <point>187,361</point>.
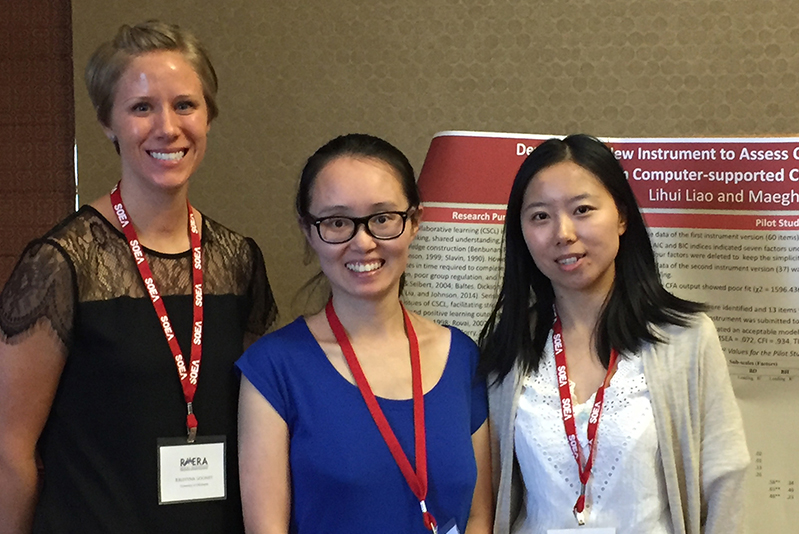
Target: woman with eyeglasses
<point>364,416</point>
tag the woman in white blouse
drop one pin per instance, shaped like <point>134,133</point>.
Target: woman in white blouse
<point>610,402</point>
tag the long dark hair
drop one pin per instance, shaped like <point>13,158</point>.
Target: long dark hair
<point>519,325</point>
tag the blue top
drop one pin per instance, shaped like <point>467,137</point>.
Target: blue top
<point>344,478</point>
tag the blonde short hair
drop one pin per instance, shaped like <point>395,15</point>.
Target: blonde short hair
<point>110,60</point>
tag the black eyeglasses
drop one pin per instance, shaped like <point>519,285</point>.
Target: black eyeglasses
<point>385,225</point>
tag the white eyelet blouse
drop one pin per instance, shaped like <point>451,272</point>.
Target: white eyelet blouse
<point>627,487</point>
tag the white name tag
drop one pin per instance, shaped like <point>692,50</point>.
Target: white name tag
<point>581,530</point>
<point>189,472</point>
<point>449,528</point>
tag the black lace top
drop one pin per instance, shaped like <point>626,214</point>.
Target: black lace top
<point>119,391</point>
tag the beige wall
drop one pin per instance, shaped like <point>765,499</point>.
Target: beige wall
<point>295,73</point>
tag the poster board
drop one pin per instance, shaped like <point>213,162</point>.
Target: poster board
<point>723,215</point>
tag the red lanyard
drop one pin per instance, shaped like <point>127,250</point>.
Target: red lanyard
<point>568,415</point>
<point>416,480</point>
<point>188,378</point>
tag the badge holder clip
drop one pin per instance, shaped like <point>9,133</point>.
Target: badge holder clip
<point>579,508</point>
<point>191,423</point>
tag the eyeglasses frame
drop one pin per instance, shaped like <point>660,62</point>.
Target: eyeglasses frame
<point>362,221</point>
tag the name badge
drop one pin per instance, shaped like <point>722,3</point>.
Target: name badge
<point>189,472</point>
<point>581,530</point>
<point>449,528</point>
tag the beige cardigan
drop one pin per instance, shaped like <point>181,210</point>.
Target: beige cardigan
<point>699,429</point>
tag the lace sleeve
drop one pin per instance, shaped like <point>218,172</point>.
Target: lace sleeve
<point>41,290</point>
<point>263,309</point>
